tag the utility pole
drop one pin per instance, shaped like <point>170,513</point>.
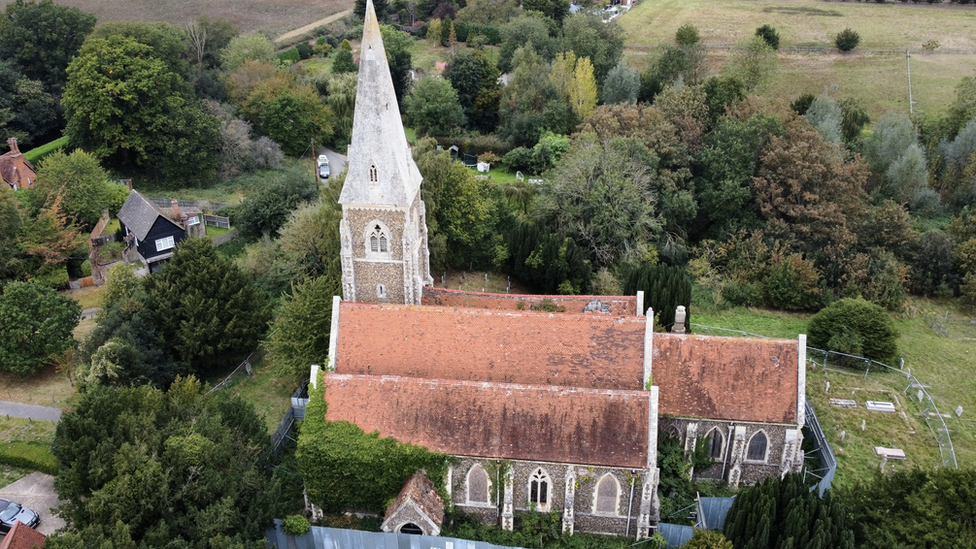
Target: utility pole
<point>911,104</point>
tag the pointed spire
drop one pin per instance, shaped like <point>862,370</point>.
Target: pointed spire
<point>381,168</point>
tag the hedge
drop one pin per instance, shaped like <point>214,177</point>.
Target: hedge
<point>37,153</point>
<point>29,456</point>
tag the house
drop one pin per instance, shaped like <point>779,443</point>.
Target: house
<point>148,230</point>
<point>15,170</point>
<point>22,536</point>
<point>540,410</point>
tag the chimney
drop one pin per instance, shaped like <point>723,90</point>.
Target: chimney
<point>176,212</point>
<point>12,141</point>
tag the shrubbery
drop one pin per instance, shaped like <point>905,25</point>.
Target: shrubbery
<point>37,457</point>
<point>856,327</point>
<point>847,40</point>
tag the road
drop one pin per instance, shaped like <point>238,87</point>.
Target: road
<point>312,26</point>
<point>337,162</point>
<point>29,411</point>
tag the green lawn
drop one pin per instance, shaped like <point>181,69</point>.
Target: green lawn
<point>111,227</point>
<point>267,390</point>
<point>878,79</point>
<point>945,362</point>
<point>215,231</point>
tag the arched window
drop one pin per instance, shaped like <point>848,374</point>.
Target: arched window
<point>716,444</point>
<point>411,528</point>
<point>478,486</point>
<point>757,447</point>
<point>539,488</point>
<point>606,496</point>
<point>373,178</point>
<point>377,240</point>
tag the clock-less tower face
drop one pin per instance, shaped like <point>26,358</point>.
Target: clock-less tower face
<point>383,229</point>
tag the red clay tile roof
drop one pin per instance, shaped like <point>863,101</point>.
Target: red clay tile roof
<point>15,169</point>
<point>497,420</point>
<point>533,348</point>
<point>422,491</point>
<point>726,377</point>
<point>22,536</point>
<point>616,305</point>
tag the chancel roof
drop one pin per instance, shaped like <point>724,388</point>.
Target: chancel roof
<point>497,420</point>
<point>614,305</point>
<point>729,378</point>
<point>535,348</point>
<point>381,170</point>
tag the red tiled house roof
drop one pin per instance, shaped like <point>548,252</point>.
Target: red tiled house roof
<point>729,378</point>
<point>420,490</point>
<point>532,348</point>
<point>615,304</point>
<point>497,420</point>
<point>22,536</point>
<point>15,170</point>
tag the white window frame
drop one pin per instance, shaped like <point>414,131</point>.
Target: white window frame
<point>539,476</point>
<point>161,244</point>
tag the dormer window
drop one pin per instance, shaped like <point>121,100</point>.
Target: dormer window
<point>377,240</point>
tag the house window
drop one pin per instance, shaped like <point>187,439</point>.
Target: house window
<point>539,488</point>
<point>757,447</point>
<point>716,443</point>
<point>165,243</point>
<point>377,240</point>
<point>373,178</point>
<point>478,485</point>
<point>606,496</point>
<point>381,291</point>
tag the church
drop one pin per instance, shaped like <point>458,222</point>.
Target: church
<point>542,411</point>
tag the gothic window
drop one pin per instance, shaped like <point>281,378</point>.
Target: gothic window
<point>373,178</point>
<point>377,240</point>
<point>478,486</point>
<point>606,496</point>
<point>539,488</point>
<point>716,443</point>
<point>757,447</point>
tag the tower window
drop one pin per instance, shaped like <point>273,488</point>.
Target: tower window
<point>377,240</point>
<point>373,178</point>
<point>381,291</point>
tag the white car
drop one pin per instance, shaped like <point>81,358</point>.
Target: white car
<point>323,168</point>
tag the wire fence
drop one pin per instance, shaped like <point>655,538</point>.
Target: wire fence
<point>827,461</point>
<point>844,363</point>
<point>242,367</point>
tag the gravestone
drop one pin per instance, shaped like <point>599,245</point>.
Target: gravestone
<point>864,424</point>
<point>880,406</point>
<point>958,411</point>
<point>843,403</point>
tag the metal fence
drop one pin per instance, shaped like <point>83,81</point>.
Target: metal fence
<point>843,363</point>
<point>203,205</point>
<point>243,366</point>
<point>825,454</point>
<point>299,400</point>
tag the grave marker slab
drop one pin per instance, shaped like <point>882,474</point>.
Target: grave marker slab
<point>843,403</point>
<point>879,406</point>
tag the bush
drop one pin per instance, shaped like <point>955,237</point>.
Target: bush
<point>290,56</point>
<point>111,251</point>
<point>849,322</point>
<point>687,35</point>
<point>29,456</point>
<point>518,159</point>
<point>295,525</point>
<point>304,50</point>
<point>769,34</point>
<point>86,269</point>
<point>847,40</point>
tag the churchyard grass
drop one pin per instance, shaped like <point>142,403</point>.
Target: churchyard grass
<point>936,341</point>
<point>267,390</point>
<point>875,73</point>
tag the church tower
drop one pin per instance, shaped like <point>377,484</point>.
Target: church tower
<point>384,227</point>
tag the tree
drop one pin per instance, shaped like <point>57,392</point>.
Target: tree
<point>203,452</point>
<point>207,39</point>
<point>666,67</point>
<point>864,328</point>
<point>687,35</point>
<point>343,62</point>
<point>291,117</point>
<point>846,40</point>
<point>208,310</point>
<point>523,32</point>
<point>475,78</point>
<point>825,115</point>
<point>589,36</point>
<point>36,323</point>
<point>753,62</point>
<point>665,288</point>
<point>300,331</point>
<point>380,6</point>
<point>707,539</point>
<point>48,240</point>
<point>433,107</point>
<point>769,35</point>
<point>128,108</point>
<point>530,102</point>
<point>621,86</point>
<point>41,38</point>
<point>602,195</point>
<point>81,184</point>
<point>265,211</point>
<point>246,47</point>
<point>855,118</point>
<point>168,42</point>
<point>582,91</point>
<point>397,45</point>
<point>722,93</point>
<point>32,112</point>
<point>11,255</point>
<point>342,101</point>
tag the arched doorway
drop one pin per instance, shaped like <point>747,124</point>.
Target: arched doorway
<point>411,528</point>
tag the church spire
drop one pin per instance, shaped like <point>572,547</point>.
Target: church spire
<point>381,169</point>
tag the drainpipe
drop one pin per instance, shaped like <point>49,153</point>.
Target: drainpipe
<point>630,505</point>
<point>728,448</point>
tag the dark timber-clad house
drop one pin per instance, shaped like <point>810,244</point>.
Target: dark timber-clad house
<point>148,230</point>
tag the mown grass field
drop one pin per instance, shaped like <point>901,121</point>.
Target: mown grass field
<point>270,16</point>
<point>940,353</point>
<point>880,80</point>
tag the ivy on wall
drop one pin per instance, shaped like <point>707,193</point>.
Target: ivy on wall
<point>346,468</point>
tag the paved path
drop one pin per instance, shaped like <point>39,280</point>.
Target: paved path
<point>32,411</point>
<point>90,313</point>
<point>36,491</point>
<point>312,26</point>
<point>337,162</point>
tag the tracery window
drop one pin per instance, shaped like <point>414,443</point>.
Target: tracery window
<point>539,487</point>
<point>377,240</point>
<point>606,496</point>
<point>757,447</point>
